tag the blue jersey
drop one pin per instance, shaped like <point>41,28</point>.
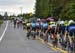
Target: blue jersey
<point>37,24</point>
<point>63,27</point>
<point>33,25</point>
<point>71,27</point>
<point>44,25</point>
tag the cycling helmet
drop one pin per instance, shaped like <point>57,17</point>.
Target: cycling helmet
<point>61,22</point>
<point>38,19</point>
<point>70,21</point>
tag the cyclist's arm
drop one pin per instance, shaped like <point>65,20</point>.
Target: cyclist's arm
<point>48,29</point>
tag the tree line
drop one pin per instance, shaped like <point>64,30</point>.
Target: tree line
<point>64,9</point>
<point>1,17</point>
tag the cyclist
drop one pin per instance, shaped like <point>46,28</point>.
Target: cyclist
<point>33,28</point>
<point>44,28</point>
<point>62,34</point>
<point>24,24</point>
<point>15,22</point>
<point>71,30</point>
<point>71,27</point>
<point>52,29</point>
<point>18,23</point>
<point>40,29</point>
<point>66,28</point>
<point>28,26</point>
<point>37,27</point>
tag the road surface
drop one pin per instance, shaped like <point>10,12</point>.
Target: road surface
<point>15,41</point>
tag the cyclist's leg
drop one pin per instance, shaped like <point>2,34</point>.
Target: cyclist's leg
<point>45,35</point>
<point>14,25</point>
<point>28,32</point>
<point>23,26</point>
<point>34,33</point>
<point>41,34</point>
<point>53,37</point>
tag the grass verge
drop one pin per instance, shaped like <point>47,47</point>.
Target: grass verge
<point>1,21</point>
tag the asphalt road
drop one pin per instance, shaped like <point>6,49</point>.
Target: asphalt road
<point>15,41</point>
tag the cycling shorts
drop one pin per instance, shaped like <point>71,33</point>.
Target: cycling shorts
<point>28,28</point>
<point>72,32</point>
<point>52,30</point>
<point>33,28</point>
<point>44,30</point>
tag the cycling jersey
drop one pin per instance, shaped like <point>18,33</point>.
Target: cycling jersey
<point>52,22</point>
<point>62,29</point>
<point>66,23</point>
<point>37,24</point>
<point>52,30</point>
<point>71,29</point>
<point>45,25</point>
<point>52,26</point>
<point>28,24</point>
<point>33,25</point>
<point>41,23</point>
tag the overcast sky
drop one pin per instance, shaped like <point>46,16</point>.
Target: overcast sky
<point>13,6</point>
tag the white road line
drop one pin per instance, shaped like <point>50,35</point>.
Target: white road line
<point>4,31</point>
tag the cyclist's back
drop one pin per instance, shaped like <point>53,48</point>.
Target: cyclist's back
<point>28,25</point>
<point>37,25</point>
<point>33,25</point>
<point>44,26</point>
<point>71,29</point>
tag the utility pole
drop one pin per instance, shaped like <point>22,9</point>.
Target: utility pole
<point>21,10</point>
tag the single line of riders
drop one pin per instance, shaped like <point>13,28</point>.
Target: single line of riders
<point>57,31</point>
<point>60,31</point>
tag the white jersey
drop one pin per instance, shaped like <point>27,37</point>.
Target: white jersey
<point>52,25</point>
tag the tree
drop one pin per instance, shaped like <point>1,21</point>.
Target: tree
<point>5,16</point>
<point>26,16</point>
<point>69,10</point>
<point>1,17</point>
<point>64,9</point>
<point>41,8</point>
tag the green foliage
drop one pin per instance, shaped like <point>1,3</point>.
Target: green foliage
<point>1,17</point>
<point>41,8</point>
<point>1,21</point>
<point>26,16</point>
<point>64,9</point>
<point>69,10</point>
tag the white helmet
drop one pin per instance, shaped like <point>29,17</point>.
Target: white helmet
<point>71,21</point>
<point>38,19</point>
<point>61,22</point>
